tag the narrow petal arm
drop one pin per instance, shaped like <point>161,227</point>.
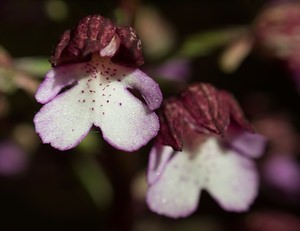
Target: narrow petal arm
<point>58,78</point>
<point>148,88</point>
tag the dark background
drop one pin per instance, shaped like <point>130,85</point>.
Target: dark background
<point>49,196</point>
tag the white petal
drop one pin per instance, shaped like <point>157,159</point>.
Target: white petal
<point>249,144</point>
<point>58,78</point>
<point>125,121</point>
<point>158,158</point>
<point>176,193</point>
<point>148,88</point>
<point>231,178</point>
<point>101,97</point>
<point>64,121</point>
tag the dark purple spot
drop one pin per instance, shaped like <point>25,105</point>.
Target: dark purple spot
<point>120,104</point>
<point>83,100</point>
<point>103,94</point>
<point>93,101</point>
<point>119,80</point>
<point>107,101</point>
<point>92,109</point>
<point>82,91</point>
<point>103,113</point>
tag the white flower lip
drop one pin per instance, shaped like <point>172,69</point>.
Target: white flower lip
<point>176,182</point>
<point>101,98</point>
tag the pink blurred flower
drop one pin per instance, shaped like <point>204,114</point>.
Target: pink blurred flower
<point>277,31</point>
<point>13,160</point>
<point>175,69</point>
<point>280,169</point>
<point>281,172</point>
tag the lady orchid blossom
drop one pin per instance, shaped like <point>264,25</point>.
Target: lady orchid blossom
<point>94,76</point>
<point>200,148</point>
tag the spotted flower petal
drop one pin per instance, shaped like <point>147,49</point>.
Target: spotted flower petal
<point>222,173</point>
<point>63,122</point>
<point>58,78</point>
<point>101,98</point>
<point>126,122</point>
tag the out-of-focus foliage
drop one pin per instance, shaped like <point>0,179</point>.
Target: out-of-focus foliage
<point>204,43</point>
<point>33,65</point>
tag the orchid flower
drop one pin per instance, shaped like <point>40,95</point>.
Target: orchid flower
<point>200,148</point>
<point>94,81</point>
